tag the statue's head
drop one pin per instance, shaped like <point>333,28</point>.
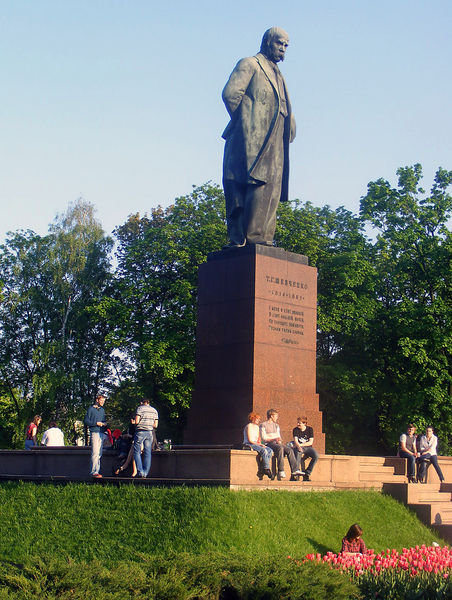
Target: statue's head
<point>274,44</point>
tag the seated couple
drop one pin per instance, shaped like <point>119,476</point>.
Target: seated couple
<point>266,441</point>
<point>419,450</point>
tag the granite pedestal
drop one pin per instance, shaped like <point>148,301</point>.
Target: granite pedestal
<point>256,344</point>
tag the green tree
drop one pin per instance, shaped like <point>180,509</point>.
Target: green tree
<point>412,331</point>
<point>153,309</point>
<point>53,356</point>
<point>384,310</point>
<point>336,245</point>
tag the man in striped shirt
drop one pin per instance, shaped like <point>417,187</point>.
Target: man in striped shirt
<point>146,420</point>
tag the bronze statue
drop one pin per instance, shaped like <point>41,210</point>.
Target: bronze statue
<point>256,154</point>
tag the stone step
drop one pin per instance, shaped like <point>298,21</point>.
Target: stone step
<point>306,486</point>
<point>372,460</point>
<point>398,464</point>
<point>439,513</point>
<point>427,497</point>
<point>445,531</point>
<point>374,468</point>
<point>417,493</point>
<point>355,485</point>
<point>385,476</point>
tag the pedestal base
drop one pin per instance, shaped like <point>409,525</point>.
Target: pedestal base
<point>256,344</point>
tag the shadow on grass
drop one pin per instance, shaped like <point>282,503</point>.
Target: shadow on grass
<point>321,548</point>
<point>10,563</point>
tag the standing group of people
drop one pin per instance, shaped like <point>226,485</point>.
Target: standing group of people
<point>145,421</point>
<point>265,439</point>
<point>419,451</point>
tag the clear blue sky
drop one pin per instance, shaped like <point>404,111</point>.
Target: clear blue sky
<point>119,101</point>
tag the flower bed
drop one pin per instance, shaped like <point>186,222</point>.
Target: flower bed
<point>419,572</point>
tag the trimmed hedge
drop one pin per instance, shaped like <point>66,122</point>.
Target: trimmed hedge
<point>180,577</point>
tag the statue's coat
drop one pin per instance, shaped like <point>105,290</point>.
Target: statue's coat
<point>252,99</point>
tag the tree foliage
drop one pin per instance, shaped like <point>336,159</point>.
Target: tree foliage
<point>70,325</point>
<point>153,309</point>
<point>384,310</point>
<point>52,354</point>
<point>412,332</point>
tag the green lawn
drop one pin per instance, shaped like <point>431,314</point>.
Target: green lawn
<point>85,522</point>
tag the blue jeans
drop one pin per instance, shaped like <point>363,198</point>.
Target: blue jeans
<point>411,463</point>
<point>97,440</point>
<point>265,454</point>
<point>145,438</point>
<point>308,452</point>
<point>29,444</point>
<point>422,466</point>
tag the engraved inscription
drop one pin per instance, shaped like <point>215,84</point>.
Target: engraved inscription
<point>286,288</point>
<point>287,321</point>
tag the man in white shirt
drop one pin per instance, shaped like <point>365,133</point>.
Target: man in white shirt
<point>146,420</point>
<point>428,452</point>
<point>53,436</point>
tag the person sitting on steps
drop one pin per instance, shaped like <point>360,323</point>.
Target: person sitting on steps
<point>428,446</point>
<point>408,450</point>
<point>252,439</point>
<point>303,439</point>
<point>271,436</point>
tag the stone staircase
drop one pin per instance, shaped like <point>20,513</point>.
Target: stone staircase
<point>432,503</point>
<point>376,470</point>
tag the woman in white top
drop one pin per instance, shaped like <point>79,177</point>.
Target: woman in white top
<point>427,449</point>
<point>252,438</point>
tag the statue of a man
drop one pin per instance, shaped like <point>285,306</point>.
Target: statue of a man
<point>256,154</point>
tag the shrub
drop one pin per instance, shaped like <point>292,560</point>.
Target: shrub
<point>179,577</point>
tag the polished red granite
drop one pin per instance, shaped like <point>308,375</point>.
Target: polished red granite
<point>256,344</point>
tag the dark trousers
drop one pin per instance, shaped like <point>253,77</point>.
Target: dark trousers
<point>422,466</point>
<point>308,452</point>
<point>251,212</point>
<point>411,463</point>
<point>280,451</point>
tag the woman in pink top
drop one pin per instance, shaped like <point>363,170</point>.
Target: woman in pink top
<point>31,433</point>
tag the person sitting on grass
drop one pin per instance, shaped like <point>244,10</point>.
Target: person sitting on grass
<point>428,452</point>
<point>252,439</point>
<point>353,543</point>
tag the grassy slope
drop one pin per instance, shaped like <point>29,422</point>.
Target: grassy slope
<point>88,521</point>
